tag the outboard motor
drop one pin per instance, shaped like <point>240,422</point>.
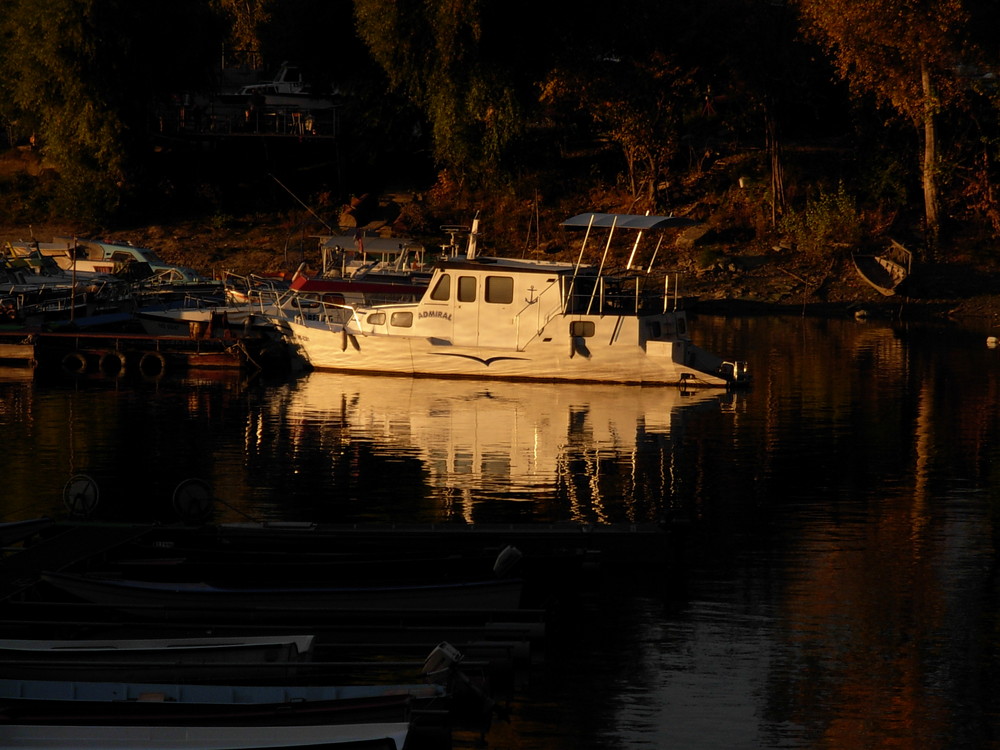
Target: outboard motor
<point>438,664</point>
<point>440,668</point>
<point>506,561</point>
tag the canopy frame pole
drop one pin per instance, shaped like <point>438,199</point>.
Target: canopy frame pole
<point>600,269</point>
<point>576,268</point>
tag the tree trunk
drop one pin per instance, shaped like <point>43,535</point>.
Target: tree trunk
<point>930,161</point>
<point>777,173</point>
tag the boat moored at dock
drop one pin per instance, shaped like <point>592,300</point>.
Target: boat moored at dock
<point>524,319</point>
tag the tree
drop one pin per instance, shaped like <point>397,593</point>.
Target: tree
<point>470,67</point>
<point>905,53</point>
<point>635,103</point>
<point>82,76</point>
<point>246,17</point>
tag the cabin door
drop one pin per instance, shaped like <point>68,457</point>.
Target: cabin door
<point>467,300</point>
<point>497,325</point>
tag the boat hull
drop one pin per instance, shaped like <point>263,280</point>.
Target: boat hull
<point>155,659</point>
<point>606,357</point>
<point>120,703</point>
<point>888,272</point>
<point>116,737</point>
<point>231,602</point>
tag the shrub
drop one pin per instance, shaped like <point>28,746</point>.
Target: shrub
<point>827,222</point>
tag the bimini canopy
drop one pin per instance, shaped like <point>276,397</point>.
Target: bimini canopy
<point>627,221</point>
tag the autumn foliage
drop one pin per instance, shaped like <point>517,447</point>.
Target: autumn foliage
<point>672,106</point>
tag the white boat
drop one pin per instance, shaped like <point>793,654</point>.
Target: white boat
<point>118,255</point>
<point>57,259</point>
<point>134,703</point>
<point>94,257</point>
<point>288,88</point>
<point>34,290</point>
<point>58,691</point>
<point>488,317</point>
<point>375,736</point>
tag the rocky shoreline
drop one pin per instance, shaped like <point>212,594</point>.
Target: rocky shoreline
<point>741,281</point>
<point>786,285</point>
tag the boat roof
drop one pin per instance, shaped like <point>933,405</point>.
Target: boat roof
<point>627,221</point>
<point>488,262</point>
<point>371,243</point>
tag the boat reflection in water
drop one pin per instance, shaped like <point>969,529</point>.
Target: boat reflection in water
<point>475,440</point>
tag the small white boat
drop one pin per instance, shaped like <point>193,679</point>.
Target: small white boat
<point>136,703</point>
<point>375,736</point>
<point>94,257</point>
<point>514,319</point>
<point>59,691</point>
<point>221,695</point>
<point>111,253</point>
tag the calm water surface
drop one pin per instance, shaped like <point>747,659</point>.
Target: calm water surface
<point>837,585</point>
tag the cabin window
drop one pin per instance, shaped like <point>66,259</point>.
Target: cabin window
<point>466,288</point>
<point>442,290</point>
<point>654,328</point>
<point>376,319</point>
<point>333,299</point>
<point>682,325</point>
<point>500,289</point>
<point>581,328</point>
<point>401,319</point>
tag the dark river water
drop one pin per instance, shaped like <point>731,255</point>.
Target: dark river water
<point>836,580</point>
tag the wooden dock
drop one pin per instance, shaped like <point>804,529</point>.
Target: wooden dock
<point>18,347</point>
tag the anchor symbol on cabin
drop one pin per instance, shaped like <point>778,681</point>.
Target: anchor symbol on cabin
<point>532,299</point>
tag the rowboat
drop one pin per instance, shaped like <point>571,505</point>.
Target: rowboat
<point>524,319</point>
<point>12,532</point>
<point>563,545</point>
<point>374,736</point>
<point>220,565</point>
<point>250,648</point>
<point>154,658</point>
<point>886,272</point>
<point>230,602</point>
<point>83,702</point>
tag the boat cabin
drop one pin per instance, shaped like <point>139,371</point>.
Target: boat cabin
<point>501,302</point>
<point>120,256</point>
